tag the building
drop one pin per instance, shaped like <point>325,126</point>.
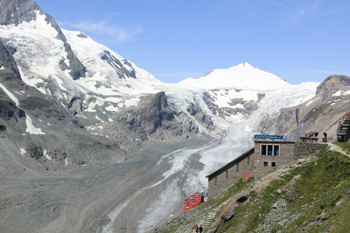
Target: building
<point>268,153</point>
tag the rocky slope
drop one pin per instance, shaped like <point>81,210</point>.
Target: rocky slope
<point>23,109</point>
<point>322,113</point>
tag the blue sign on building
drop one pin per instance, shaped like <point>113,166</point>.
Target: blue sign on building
<point>272,137</point>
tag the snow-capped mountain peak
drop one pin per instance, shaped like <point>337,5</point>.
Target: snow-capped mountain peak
<point>244,76</point>
<point>245,64</point>
<point>66,64</point>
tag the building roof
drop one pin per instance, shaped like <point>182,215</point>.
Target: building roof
<point>233,161</point>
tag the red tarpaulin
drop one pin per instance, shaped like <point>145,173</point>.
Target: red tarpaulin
<point>193,200</point>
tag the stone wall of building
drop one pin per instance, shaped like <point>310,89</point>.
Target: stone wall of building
<point>286,155</point>
<point>304,148</point>
<point>229,174</point>
<point>254,164</point>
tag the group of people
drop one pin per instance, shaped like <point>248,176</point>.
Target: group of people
<point>199,229</point>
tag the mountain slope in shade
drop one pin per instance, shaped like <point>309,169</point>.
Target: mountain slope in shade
<point>243,75</point>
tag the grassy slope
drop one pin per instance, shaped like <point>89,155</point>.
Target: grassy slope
<point>311,200</point>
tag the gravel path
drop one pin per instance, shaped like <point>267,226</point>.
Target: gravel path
<point>336,148</point>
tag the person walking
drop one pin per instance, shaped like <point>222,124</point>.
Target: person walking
<point>200,229</point>
<point>197,228</point>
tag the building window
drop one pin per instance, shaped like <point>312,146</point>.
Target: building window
<point>276,150</point>
<point>226,174</point>
<point>263,149</point>
<point>273,164</point>
<point>266,164</point>
<point>216,180</point>
<point>270,150</point>
<point>248,160</point>
<point>237,167</point>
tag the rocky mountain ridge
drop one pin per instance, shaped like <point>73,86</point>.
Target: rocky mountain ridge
<point>322,113</point>
<point>19,11</point>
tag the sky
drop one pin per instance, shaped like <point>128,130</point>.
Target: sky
<point>298,40</point>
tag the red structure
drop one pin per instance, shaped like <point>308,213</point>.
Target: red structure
<point>193,200</point>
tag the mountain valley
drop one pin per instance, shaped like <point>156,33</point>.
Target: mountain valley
<point>90,142</point>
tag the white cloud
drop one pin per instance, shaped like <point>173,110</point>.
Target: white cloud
<point>103,28</point>
<point>302,13</point>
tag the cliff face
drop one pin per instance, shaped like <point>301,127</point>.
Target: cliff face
<point>8,67</point>
<point>17,11</point>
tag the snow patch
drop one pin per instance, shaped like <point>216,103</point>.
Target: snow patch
<point>13,98</point>
<point>246,95</point>
<point>31,128</point>
<point>311,101</point>
<point>341,93</point>
<point>47,155</point>
<point>131,102</point>
<point>22,151</point>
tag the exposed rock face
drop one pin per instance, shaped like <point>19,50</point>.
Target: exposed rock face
<point>152,119</point>
<point>333,84</point>
<point>117,65</point>
<point>10,70</point>
<point>237,106</point>
<point>321,114</point>
<point>18,11</point>
<point>63,139</point>
<point>200,116</point>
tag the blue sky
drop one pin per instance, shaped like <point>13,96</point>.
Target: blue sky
<point>298,40</point>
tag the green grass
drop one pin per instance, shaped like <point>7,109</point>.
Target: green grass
<point>249,214</point>
<point>320,186</point>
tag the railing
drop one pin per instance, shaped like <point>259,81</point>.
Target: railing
<point>309,139</point>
